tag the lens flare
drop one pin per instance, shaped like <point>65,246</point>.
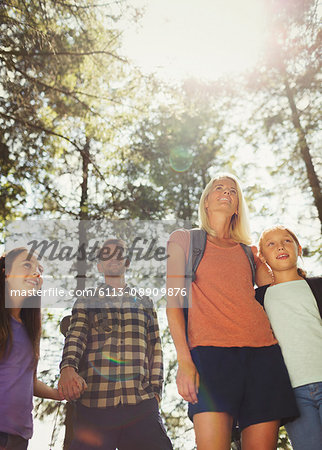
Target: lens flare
<point>114,363</point>
<point>180,159</point>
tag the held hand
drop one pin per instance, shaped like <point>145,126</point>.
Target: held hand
<point>70,384</point>
<point>188,381</point>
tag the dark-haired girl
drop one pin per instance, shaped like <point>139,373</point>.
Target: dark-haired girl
<point>20,325</point>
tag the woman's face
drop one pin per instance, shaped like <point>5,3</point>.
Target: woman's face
<point>25,275</point>
<point>223,196</point>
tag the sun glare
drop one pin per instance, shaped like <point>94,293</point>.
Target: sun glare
<point>199,38</point>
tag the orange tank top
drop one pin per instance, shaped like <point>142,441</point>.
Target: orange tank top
<point>224,311</point>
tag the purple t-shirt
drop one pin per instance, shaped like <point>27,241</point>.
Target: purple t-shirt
<point>16,384</point>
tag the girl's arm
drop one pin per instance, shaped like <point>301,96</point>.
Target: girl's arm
<point>43,391</point>
<point>187,375</point>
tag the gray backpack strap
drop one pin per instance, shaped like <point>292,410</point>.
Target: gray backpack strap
<point>198,239</point>
<point>247,249</point>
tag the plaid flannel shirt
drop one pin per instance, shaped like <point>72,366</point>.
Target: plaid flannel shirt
<point>115,346</point>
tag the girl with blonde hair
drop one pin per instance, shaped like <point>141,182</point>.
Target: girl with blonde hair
<point>293,303</point>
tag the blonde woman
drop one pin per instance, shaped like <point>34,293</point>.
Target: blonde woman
<point>230,367</point>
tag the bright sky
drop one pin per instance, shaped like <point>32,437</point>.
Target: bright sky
<point>199,38</point>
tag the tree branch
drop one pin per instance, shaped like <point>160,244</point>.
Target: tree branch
<point>74,54</point>
<point>101,5</point>
<point>75,93</point>
<point>53,133</point>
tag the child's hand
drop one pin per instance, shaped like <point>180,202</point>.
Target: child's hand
<point>71,385</point>
<point>43,391</point>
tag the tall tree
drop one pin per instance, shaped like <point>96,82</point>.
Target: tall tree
<point>64,86</point>
<point>287,86</point>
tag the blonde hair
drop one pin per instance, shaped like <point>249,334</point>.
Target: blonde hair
<point>239,224</point>
<point>300,271</point>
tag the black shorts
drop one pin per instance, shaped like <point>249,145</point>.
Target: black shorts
<point>249,383</point>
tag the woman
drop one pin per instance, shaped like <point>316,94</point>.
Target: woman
<point>20,277</point>
<point>229,365</point>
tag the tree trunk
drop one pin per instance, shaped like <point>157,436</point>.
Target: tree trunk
<point>81,268</point>
<point>305,151</point>
<point>83,220</point>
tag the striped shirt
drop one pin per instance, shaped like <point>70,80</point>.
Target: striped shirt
<point>114,344</point>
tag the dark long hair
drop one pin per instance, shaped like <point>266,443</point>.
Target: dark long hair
<point>31,317</point>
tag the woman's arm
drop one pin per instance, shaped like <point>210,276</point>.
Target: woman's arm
<point>187,375</point>
<point>263,275</point>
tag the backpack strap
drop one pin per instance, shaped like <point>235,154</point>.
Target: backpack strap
<point>198,239</point>
<point>247,249</point>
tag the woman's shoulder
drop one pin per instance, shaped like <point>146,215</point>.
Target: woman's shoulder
<point>180,236</point>
<point>180,232</point>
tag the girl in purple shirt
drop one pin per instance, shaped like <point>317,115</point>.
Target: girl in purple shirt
<point>19,347</point>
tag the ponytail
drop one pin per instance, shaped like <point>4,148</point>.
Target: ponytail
<point>301,272</point>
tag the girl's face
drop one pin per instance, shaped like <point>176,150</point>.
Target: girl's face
<point>280,250</point>
<point>223,196</point>
<point>25,275</point>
